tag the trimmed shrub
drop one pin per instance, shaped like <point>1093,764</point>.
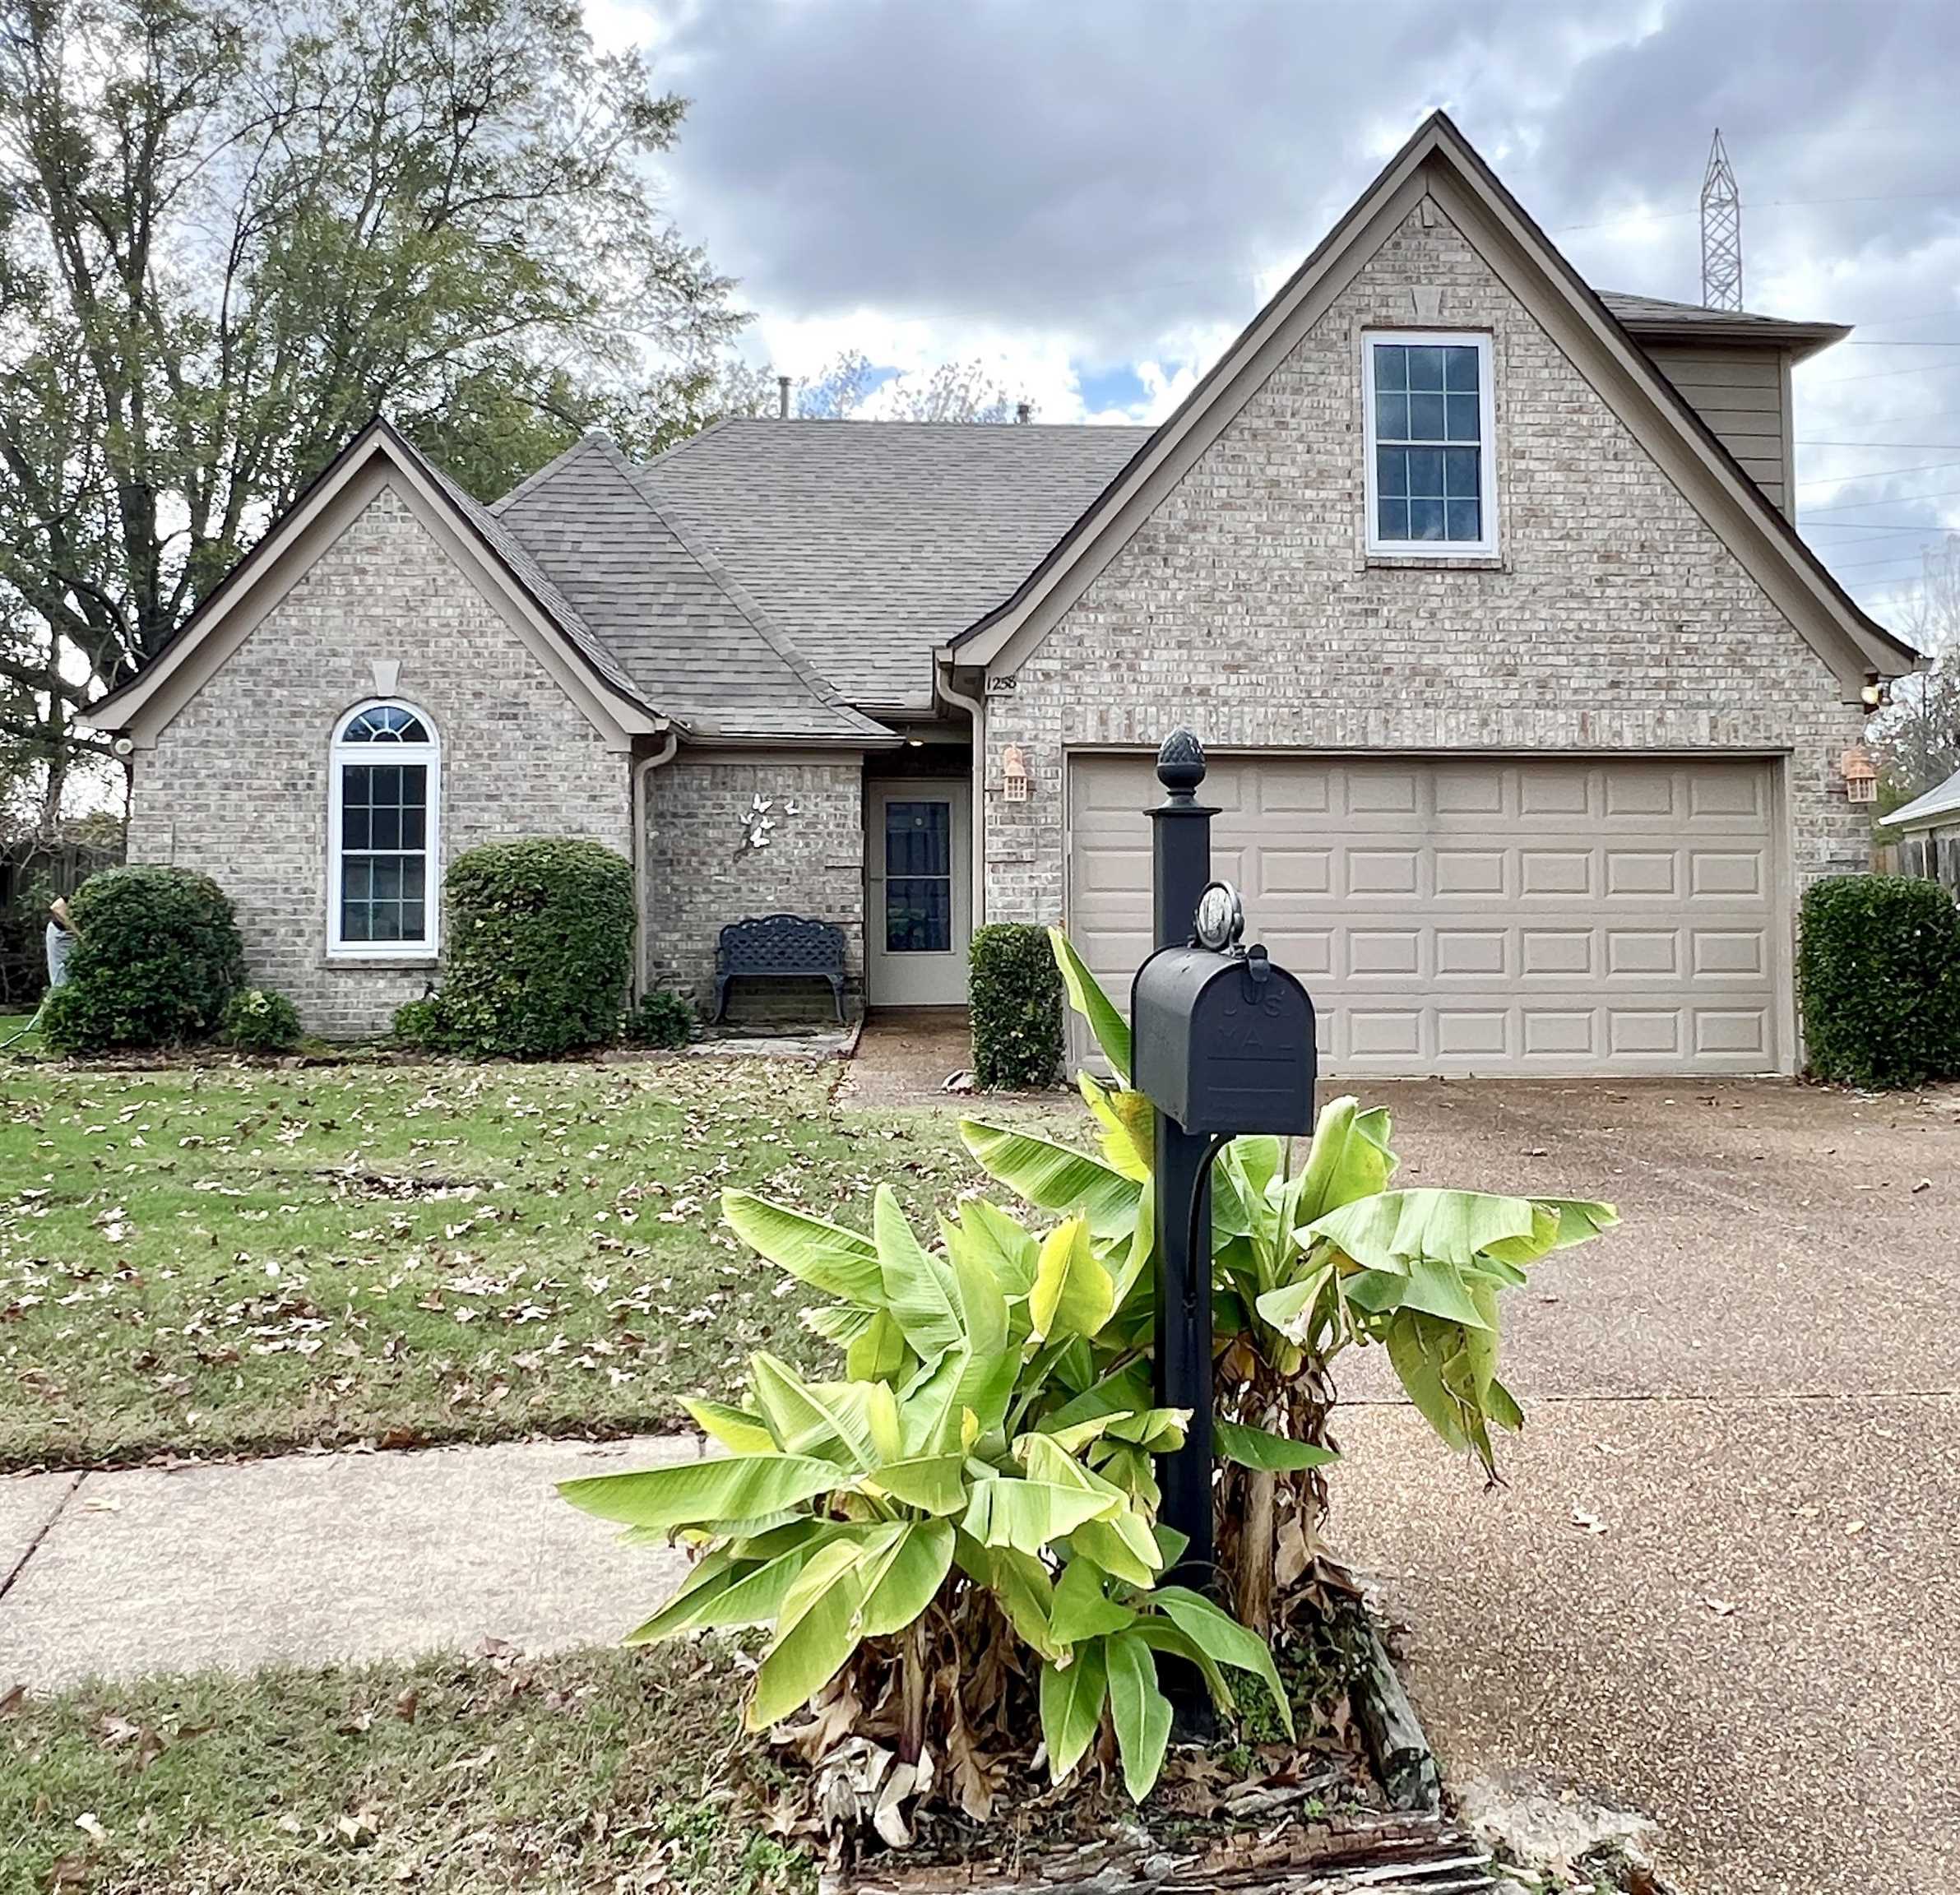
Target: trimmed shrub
<point>1014,993</point>
<point>419,1023</point>
<point>663,1019</point>
<point>261,1020</point>
<point>157,957</point>
<point>539,948</point>
<point>1878,976</point>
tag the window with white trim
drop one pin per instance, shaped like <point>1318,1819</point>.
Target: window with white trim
<point>1431,449</point>
<point>383,864</point>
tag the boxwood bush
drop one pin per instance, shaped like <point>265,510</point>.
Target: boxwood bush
<point>539,948</point>
<point>663,1018</point>
<point>157,957</point>
<point>1014,996</point>
<point>260,1020</point>
<point>1878,977</point>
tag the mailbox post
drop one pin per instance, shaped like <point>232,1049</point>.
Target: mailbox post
<point>1180,867</point>
<point>1223,1045</point>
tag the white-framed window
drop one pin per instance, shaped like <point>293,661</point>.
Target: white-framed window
<point>1431,443</point>
<point>383,858</point>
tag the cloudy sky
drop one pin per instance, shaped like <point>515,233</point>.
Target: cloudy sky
<point>1093,196</point>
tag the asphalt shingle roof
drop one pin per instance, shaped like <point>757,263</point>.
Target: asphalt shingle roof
<point>868,543</point>
<point>1658,312</point>
<point>533,576</point>
<point>694,644</point>
<point>1944,800</point>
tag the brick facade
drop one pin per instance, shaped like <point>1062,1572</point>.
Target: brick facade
<point>700,875</point>
<point>1615,620</point>
<point>237,786</point>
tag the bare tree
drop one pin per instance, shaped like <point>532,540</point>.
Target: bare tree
<point>1915,739</point>
<point>840,391</point>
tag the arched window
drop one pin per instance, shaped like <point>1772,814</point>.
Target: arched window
<point>383,861</point>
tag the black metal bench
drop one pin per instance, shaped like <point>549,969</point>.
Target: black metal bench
<point>780,948</point>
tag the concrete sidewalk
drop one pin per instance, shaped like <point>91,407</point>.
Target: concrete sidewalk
<point>310,1558</point>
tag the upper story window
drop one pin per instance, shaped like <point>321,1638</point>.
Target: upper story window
<point>383,864</point>
<point>1431,469</point>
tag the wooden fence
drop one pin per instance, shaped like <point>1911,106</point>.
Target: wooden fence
<point>33,871</point>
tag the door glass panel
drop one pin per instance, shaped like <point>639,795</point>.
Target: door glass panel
<point>919,877</point>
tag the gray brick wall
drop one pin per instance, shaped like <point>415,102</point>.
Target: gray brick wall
<point>1246,606</point>
<point>700,875</point>
<point>237,785</point>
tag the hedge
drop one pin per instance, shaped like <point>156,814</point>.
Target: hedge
<point>157,957</point>
<point>538,949</point>
<point>1014,996</point>
<point>1878,979</point>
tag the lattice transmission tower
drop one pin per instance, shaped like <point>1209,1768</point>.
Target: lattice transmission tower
<point>1721,232</point>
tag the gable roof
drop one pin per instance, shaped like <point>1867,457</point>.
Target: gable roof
<point>176,670</point>
<point>871,542</point>
<point>1943,801</point>
<point>1438,160</point>
<point>688,634</point>
<point>1656,318</point>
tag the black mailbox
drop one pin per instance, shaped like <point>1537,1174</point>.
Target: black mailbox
<point>1223,1042</point>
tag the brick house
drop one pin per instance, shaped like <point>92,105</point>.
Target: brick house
<point>1524,699</point>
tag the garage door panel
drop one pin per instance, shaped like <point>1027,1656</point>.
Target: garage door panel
<point>1471,872</point>
<point>1724,872</point>
<point>1471,915</point>
<point>1547,790</point>
<point>1473,953</point>
<point>1553,872</point>
<point>1637,795</point>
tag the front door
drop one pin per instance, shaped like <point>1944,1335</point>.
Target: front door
<point>919,911</point>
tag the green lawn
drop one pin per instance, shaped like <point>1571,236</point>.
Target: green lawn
<point>220,1257</point>
<point>589,1772</point>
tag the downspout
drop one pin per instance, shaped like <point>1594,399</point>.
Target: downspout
<point>642,870</point>
<point>976,710</point>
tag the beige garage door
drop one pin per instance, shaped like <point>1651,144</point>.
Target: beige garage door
<point>1478,914</point>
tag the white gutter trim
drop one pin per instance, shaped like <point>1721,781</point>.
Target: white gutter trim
<point>642,871</point>
<point>977,826</point>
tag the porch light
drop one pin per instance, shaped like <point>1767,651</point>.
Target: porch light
<point>1014,777</point>
<point>1860,774</point>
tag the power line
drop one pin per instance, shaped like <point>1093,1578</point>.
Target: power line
<point>1889,446</point>
<point>1806,525</point>
<point>1887,500</point>
<point>1884,473</point>
<point>1881,374</point>
<point>1766,204</point>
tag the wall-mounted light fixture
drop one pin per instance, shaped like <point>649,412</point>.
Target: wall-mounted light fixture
<point>1014,777</point>
<point>1860,774</point>
<point>1876,694</point>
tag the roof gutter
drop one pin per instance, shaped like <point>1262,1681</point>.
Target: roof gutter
<point>976,712</point>
<point>642,869</point>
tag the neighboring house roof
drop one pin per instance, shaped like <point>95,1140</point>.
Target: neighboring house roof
<point>224,616</point>
<point>1924,811</point>
<point>1655,317</point>
<point>1438,160</point>
<point>870,542</point>
<point>692,639</point>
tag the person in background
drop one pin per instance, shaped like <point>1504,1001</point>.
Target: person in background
<point>61,935</point>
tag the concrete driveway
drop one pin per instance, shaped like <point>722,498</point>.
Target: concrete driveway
<point>1722,1587</point>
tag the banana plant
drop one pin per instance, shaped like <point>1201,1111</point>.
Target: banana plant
<point>991,1434</point>
<point>1307,1261</point>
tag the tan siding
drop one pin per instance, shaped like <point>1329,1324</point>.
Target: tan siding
<point>1739,393</point>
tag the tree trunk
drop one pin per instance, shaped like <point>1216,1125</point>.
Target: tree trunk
<point>1258,1553</point>
<point>911,1728</point>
